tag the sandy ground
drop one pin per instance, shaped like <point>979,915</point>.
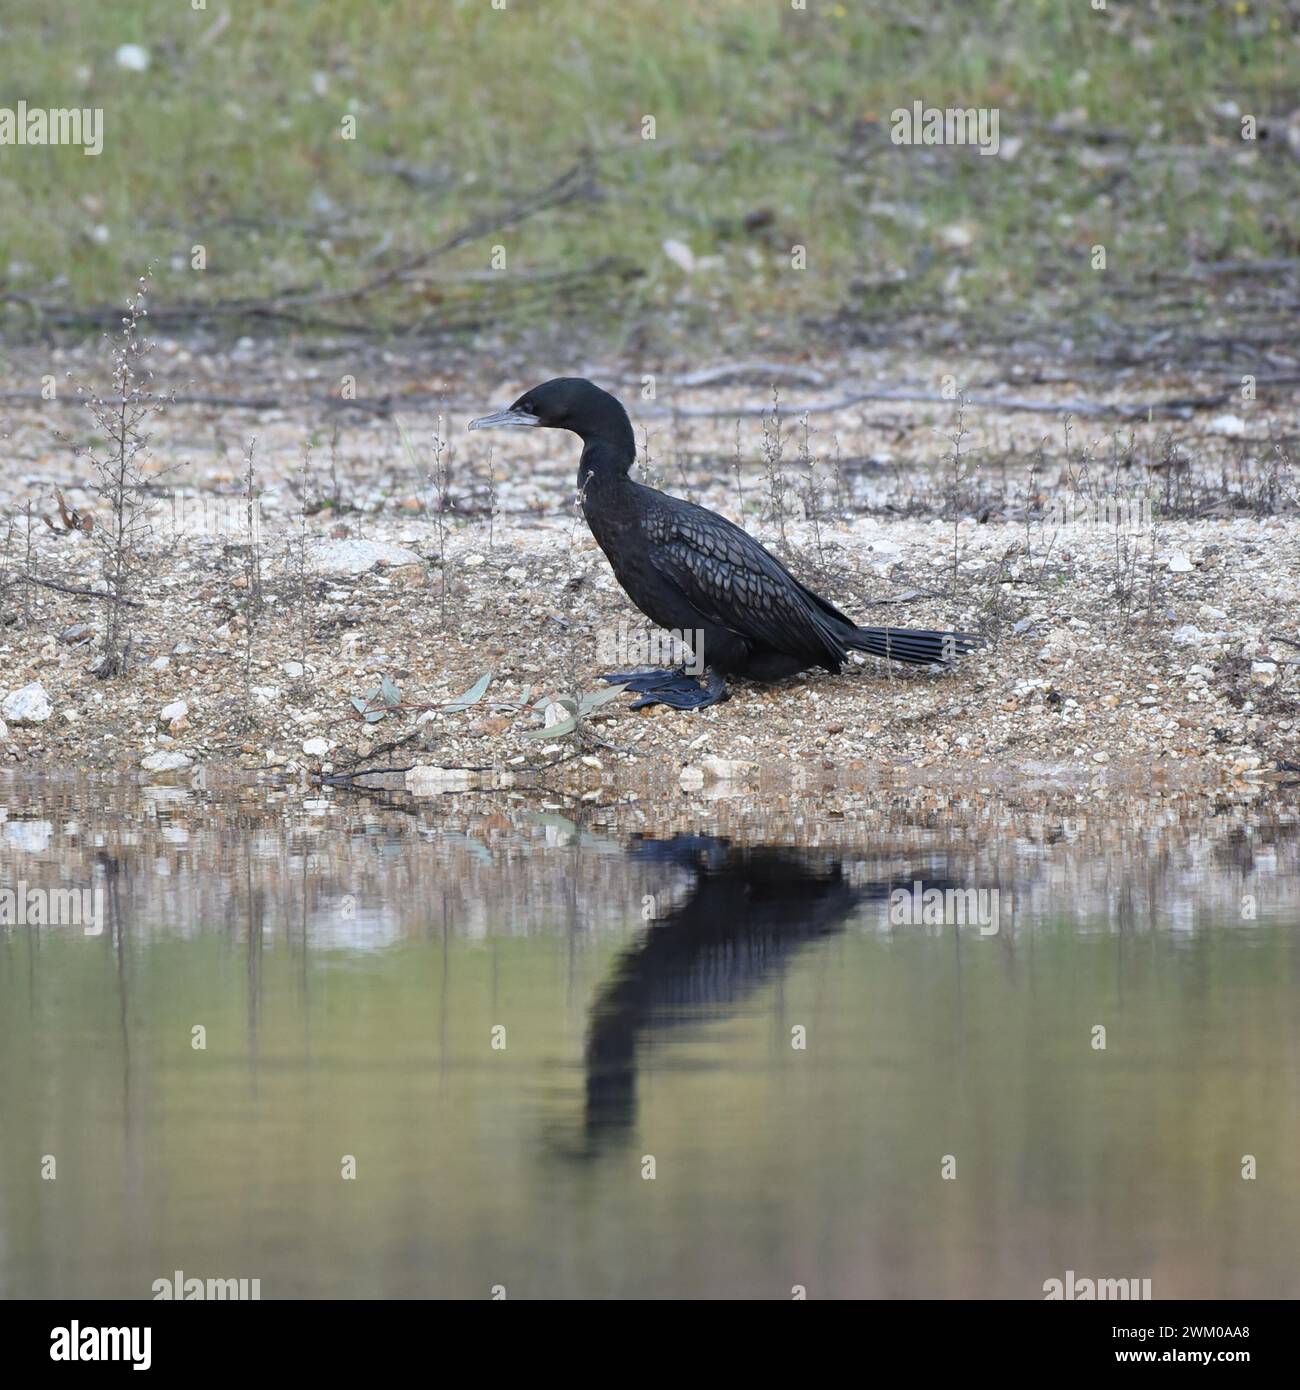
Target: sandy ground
<point>1125,646</point>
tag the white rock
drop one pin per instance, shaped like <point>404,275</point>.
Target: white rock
<point>1189,635</point>
<point>29,836</point>
<point>1228,424</point>
<point>29,705</point>
<point>1179,563</point>
<point>316,747</point>
<point>555,713</point>
<point>4,731</point>
<point>884,553</point>
<point>166,762</point>
<point>293,669</point>
<point>691,779</point>
<point>680,254</point>
<point>727,769</point>
<point>178,709</point>
<point>1059,645</point>
<point>430,781</point>
<point>160,663</point>
<point>956,236</point>
<point>132,57</point>
<point>356,557</point>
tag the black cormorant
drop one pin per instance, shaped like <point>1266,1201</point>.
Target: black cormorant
<point>692,571</point>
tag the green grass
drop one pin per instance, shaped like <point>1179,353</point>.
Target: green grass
<point>234,142</point>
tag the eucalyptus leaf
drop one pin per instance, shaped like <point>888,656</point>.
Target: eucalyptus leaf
<point>566,726</point>
<point>364,707</point>
<point>472,696</point>
<point>593,699</point>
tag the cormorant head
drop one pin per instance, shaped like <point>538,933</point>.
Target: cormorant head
<point>565,403</point>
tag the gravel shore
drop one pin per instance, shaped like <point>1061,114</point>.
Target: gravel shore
<point>1127,641</point>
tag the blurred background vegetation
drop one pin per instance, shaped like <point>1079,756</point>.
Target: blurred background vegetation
<point>522,127</point>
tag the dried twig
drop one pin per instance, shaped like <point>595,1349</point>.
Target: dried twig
<point>99,595</point>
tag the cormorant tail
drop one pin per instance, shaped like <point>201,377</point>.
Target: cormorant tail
<point>916,646</point>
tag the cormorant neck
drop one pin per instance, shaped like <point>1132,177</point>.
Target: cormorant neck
<point>608,453</point>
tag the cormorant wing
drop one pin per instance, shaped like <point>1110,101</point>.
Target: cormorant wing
<point>733,581</point>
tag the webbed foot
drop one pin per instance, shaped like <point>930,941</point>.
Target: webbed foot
<point>673,688</point>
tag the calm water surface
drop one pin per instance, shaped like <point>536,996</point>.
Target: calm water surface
<point>507,1014</point>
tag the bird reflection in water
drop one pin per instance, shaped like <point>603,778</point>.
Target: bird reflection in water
<point>747,913</point>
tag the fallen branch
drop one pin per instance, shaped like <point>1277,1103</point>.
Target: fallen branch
<point>767,372</point>
<point>338,779</point>
<point>71,589</point>
<point>1181,406</point>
